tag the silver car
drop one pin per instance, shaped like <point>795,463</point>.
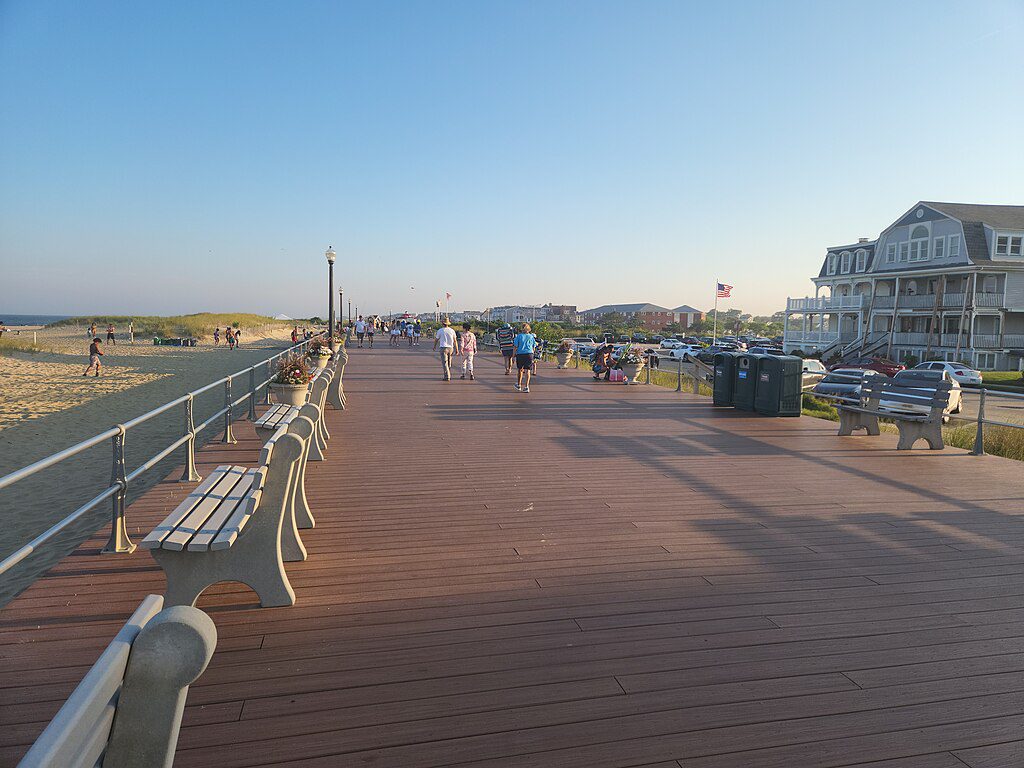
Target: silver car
<point>923,378</point>
<point>844,384</point>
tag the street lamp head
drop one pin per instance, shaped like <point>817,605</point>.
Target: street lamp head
<point>330,254</point>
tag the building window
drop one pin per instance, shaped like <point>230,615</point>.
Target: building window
<point>918,244</point>
<point>954,246</point>
<point>904,250</point>
<point>890,253</point>
<point>1009,245</point>
<point>984,361</point>
<point>940,247</point>
<point>845,262</point>
<point>831,263</point>
<point>862,260</point>
<point>988,284</point>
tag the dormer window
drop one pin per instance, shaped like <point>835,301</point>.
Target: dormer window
<point>954,246</point>
<point>919,243</point>
<point>939,247</point>
<point>846,259</point>
<point>1009,245</point>
<point>890,253</point>
<point>830,264</point>
<point>862,260</point>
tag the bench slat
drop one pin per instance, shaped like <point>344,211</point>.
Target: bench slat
<point>186,528</point>
<point>272,418</point>
<point>158,534</point>
<point>212,526</point>
<point>230,530</point>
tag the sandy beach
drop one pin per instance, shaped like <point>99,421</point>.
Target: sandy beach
<point>46,405</point>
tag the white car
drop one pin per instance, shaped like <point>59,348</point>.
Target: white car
<point>908,378</point>
<point>682,352</point>
<point>671,343</point>
<point>814,367</point>
<point>957,371</point>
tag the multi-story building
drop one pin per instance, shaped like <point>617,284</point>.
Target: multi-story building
<point>687,315</point>
<point>650,316</point>
<point>945,281</point>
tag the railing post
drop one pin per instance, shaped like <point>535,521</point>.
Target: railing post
<point>119,540</point>
<point>679,375</point>
<point>266,390</point>
<point>252,393</point>
<point>696,385</point>
<point>189,475</point>
<point>228,437</point>
<point>648,368</point>
<point>979,437</point>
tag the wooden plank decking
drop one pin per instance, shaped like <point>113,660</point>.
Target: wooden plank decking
<point>590,575</point>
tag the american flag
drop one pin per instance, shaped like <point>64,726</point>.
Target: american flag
<point>724,291</point>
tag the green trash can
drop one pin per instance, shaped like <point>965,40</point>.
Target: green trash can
<point>745,383</point>
<point>779,380</point>
<point>725,373</point>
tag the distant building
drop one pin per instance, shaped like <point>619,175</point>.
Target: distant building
<point>944,281</point>
<point>687,315</point>
<point>562,313</point>
<point>650,316</point>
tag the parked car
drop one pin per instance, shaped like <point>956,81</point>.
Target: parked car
<point>813,370</point>
<point>924,378</point>
<point>682,352</point>
<point>880,364</point>
<point>765,351</point>
<point>670,343</point>
<point>692,340</point>
<point>707,354</point>
<point>960,372</point>
<point>656,338</point>
<point>639,338</point>
<point>844,383</point>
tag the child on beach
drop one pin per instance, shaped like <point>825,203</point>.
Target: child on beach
<point>229,337</point>
<point>216,337</point>
<point>95,353</point>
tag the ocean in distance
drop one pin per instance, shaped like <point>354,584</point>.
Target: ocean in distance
<point>12,320</point>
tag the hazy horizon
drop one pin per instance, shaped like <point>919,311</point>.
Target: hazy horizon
<point>169,159</point>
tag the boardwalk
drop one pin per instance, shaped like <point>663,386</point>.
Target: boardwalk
<point>588,576</point>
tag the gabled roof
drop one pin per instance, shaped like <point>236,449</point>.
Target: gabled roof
<point>626,309</point>
<point>995,216</point>
<point>687,309</point>
<point>852,248</point>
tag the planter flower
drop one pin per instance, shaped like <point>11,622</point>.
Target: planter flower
<point>290,383</point>
<point>563,355</point>
<point>319,354</point>
<point>631,362</point>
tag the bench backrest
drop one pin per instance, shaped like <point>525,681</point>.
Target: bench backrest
<point>318,392</point>
<point>909,390</point>
<point>127,709</point>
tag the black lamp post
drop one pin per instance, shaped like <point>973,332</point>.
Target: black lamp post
<point>341,306</point>
<point>330,295</point>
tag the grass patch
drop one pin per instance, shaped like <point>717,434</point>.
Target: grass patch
<point>200,325</point>
<point>671,379</point>
<point>1003,379</point>
<point>10,344</point>
<point>819,408</point>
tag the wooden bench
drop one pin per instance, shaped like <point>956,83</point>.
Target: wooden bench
<point>336,392</point>
<point>282,415</point>
<point>237,525</point>
<point>127,710</point>
<point>883,397</point>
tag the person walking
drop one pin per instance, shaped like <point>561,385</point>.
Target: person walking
<point>95,353</point>
<point>417,331</point>
<point>467,348</point>
<point>216,337</point>
<point>360,330</point>
<point>525,344</point>
<point>371,328</point>
<point>446,340</point>
<point>506,338</point>
<point>295,335</point>
<point>92,330</point>
<point>229,337</point>
<point>396,334</point>
<point>110,333</point>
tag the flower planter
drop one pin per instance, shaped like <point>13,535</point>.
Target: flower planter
<point>320,362</point>
<point>563,358</point>
<point>630,371</point>
<point>291,394</point>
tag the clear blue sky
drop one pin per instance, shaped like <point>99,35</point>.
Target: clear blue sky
<point>186,156</point>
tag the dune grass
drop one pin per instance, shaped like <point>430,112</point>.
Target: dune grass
<point>200,325</point>
<point>11,343</point>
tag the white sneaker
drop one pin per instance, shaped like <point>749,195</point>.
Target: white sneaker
<point>517,387</point>
<point>526,390</point>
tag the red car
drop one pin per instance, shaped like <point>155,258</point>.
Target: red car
<point>882,365</point>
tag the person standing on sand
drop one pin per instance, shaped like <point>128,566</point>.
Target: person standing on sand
<point>506,336</point>
<point>2,329</point>
<point>110,333</point>
<point>229,337</point>
<point>238,337</point>
<point>131,332</point>
<point>445,339</point>
<point>295,335</point>
<point>92,330</point>
<point>525,345</point>
<point>216,337</point>
<point>95,353</point>
<point>467,348</point>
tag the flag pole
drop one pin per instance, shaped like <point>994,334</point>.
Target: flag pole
<point>714,333</point>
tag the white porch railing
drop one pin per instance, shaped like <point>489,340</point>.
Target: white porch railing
<point>824,303</point>
<point>811,337</point>
<point>989,300</point>
<point>910,338</point>
<point>1014,340</point>
<point>884,302</point>
<point>953,300</point>
<point>917,301</point>
<point>985,341</point>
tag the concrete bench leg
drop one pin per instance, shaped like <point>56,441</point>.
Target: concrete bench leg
<point>336,390</point>
<point>851,420</point>
<point>302,427</point>
<point>912,431</point>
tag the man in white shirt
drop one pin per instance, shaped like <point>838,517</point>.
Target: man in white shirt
<point>445,339</point>
<point>360,330</point>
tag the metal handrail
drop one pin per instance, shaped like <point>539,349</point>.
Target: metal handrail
<point>120,479</point>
